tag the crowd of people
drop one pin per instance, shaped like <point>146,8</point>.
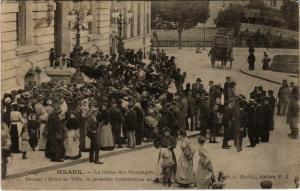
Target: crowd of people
<point>129,102</point>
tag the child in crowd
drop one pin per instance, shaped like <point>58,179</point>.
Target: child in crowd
<point>167,165</point>
<point>24,144</point>
<point>33,129</point>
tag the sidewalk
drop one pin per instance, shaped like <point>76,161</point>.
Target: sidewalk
<point>268,75</point>
<point>37,163</point>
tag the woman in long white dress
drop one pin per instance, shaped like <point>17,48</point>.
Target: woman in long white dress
<point>185,172</point>
<point>204,171</point>
<point>72,137</point>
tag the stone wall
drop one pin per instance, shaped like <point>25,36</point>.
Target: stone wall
<point>47,25</point>
<point>16,59</point>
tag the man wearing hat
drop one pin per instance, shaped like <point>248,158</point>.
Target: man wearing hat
<point>227,122</point>
<point>251,123</point>
<point>283,98</point>
<point>92,132</point>
<point>204,115</point>
<point>115,117</point>
<point>183,108</point>
<point>130,124</point>
<point>226,89</point>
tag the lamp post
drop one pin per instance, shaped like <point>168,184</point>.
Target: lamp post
<point>77,27</point>
<point>204,38</point>
<point>121,23</point>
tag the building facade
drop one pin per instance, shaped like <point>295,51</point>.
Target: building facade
<point>29,29</point>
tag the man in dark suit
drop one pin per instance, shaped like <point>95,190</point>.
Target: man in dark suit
<point>272,102</point>
<point>227,123</point>
<point>92,132</point>
<point>204,115</point>
<point>140,124</point>
<point>115,118</point>
<point>130,125</point>
<point>251,123</point>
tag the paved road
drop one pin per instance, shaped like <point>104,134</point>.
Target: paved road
<point>277,160</point>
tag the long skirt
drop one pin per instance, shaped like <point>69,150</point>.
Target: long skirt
<point>132,139</point>
<point>158,169</point>
<point>55,149</point>
<point>72,144</point>
<point>201,176</point>
<point>15,134</point>
<point>105,139</point>
<point>185,173</point>
<point>42,137</point>
<point>25,146</point>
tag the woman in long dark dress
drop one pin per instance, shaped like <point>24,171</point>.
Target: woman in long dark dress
<point>55,140</point>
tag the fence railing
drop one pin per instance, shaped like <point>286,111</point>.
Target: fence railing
<point>173,43</point>
<point>237,43</point>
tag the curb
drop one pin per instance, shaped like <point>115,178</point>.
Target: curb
<point>79,161</point>
<point>256,76</point>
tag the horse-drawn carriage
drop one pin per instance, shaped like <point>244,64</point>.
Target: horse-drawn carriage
<point>222,48</point>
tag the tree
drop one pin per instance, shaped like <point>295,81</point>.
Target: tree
<point>290,13</point>
<point>231,17</point>
<point>185,14</point>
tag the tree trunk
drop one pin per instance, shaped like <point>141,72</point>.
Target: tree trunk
<point>179,39</point>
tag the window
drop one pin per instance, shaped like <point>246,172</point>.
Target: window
<point>274,3</point>
<point>132,22</point>
<point>147,23</point>
<point>21,23</point>
<point>125,24</point>
<point>139,19</point>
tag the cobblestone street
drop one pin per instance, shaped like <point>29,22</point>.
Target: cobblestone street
<point>277,160</point>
